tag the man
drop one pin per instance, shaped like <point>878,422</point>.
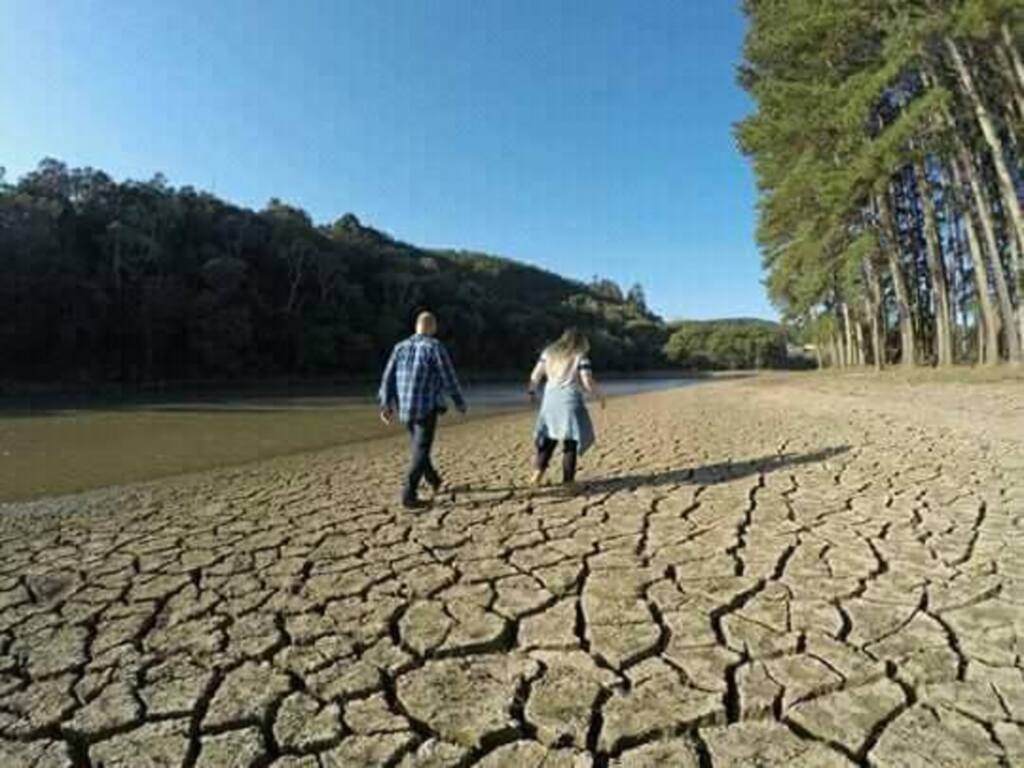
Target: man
<point>418,377</point>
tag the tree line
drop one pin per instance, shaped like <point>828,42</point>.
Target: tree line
<point>886,143</point>
<point>137,283</point>
<point>730,344</point>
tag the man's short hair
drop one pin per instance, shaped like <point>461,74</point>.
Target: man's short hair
<point>426,323</point>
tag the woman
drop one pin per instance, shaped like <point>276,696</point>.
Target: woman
<point>563,414</point>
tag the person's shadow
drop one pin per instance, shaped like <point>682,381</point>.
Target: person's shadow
<point>705,474</point>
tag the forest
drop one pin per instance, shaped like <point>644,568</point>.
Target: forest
<point>728,344</point>
<point>140,283</point>
<point>887,146</point>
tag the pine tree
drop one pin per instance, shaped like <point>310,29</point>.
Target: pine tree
<point>886,148</point>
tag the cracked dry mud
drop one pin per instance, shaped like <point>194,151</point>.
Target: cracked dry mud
<point>756,573</point>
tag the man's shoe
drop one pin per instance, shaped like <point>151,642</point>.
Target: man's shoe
<point>414,503</point>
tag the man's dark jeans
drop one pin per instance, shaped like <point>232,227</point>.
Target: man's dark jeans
<point>421,438</point>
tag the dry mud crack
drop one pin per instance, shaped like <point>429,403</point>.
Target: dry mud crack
<point>770,573</point>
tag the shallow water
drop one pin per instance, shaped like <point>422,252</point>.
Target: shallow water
<point>53,451</point>
<point>511,396</point>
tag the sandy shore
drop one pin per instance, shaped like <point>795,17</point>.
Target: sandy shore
<point>794,571</point>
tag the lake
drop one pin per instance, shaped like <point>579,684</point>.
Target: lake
<point>67,449</point>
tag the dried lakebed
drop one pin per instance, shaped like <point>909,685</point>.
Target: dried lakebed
<point>790,572</point>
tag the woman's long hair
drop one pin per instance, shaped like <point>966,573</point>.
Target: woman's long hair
<point>561,354</point>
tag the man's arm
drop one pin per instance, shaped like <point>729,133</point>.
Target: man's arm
<point>388,394</point>
<point>449,381</point>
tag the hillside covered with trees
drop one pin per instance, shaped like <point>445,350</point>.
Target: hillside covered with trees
<point>887,148</point>
<point>141,282</point>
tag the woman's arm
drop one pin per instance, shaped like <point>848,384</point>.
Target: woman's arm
<point>536,377</point>
<point>590,386</point>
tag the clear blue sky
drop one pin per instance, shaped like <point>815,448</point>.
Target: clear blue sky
<point>585,136</point>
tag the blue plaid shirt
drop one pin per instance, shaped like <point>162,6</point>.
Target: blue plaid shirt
<point>417,378</point>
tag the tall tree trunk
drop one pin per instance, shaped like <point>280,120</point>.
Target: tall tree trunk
<point>848,351</point>
<point>936,270</point>
<point>858,328</point>
<point>960,277</point>
<point>988,230</point>
<point>908,353</point>
<point>1015,260</point>
<point>984,344</point>
<point>905,205</point>
<point>1013,53</point>
<point>963,165</point>
<point>908,346</point>
<point>873,303</point>
<point>988,318</point>
<point>988,129</point>
<point>1016,91</point>
<point>876,334</point>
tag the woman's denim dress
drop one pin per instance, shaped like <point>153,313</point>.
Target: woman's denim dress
<point>563,411</point>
